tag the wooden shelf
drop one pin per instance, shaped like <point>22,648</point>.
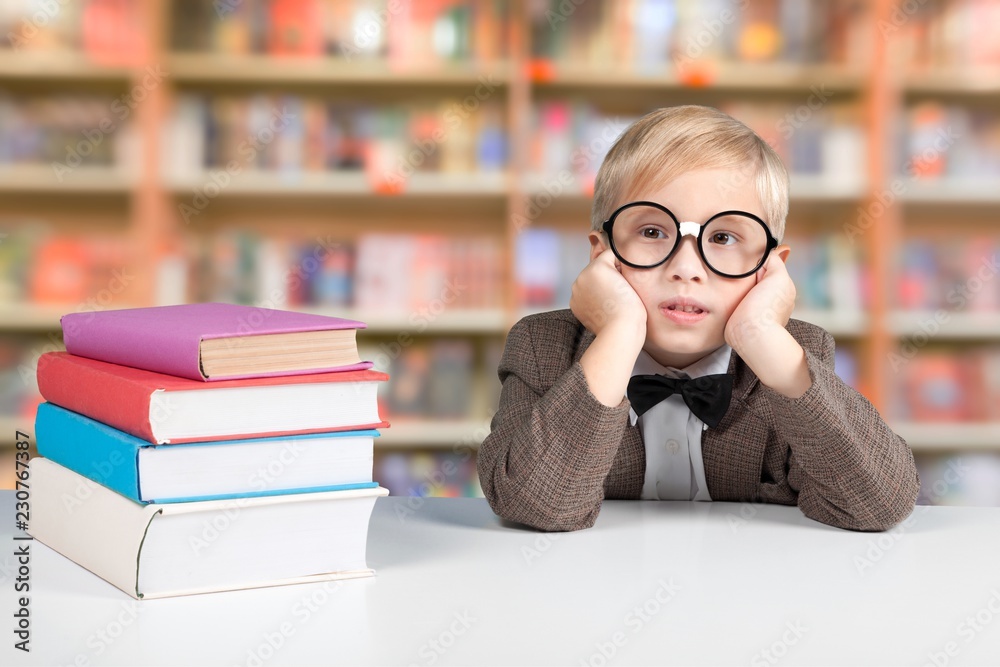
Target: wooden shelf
<point>347,183</point>
<point>954,81</point>
<point>42,179</point>
<point>958,436</point>
<point>953,191</point>
<point>422,434</point>
<point>769,77</point>
<point>69,65</point>
<point>806,187</point>
<point>454,321</point>
<point>262,69</point>
<point>838,323</point>
<point>802,187</point>
<point>9,425</point>
<point>957,326</point>
<point>29,317</point>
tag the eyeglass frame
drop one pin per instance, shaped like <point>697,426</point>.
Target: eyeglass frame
<point>684,229</point>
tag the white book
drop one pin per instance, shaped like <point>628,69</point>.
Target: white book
<point>164,550</point>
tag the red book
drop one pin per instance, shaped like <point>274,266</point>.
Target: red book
<point>163,408</point>
<point>296,28</point>
<point>938,388</point>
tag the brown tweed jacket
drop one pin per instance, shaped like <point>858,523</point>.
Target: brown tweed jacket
<point>555,452</point>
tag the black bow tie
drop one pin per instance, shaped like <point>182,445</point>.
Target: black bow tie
<point>707,396</point>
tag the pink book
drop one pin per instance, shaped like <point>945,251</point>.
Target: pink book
<point>215,341</point>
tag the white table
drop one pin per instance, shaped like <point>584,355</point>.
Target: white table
<point>650,583</point>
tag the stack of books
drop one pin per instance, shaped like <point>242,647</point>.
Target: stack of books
<point>206,447</point>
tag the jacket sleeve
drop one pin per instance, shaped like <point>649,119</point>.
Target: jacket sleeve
<point>550,447</point>
<point>849,468</point>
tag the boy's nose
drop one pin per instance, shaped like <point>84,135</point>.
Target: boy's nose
<point>686,263</point>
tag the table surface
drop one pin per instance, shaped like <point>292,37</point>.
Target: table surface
<point>650,583</point>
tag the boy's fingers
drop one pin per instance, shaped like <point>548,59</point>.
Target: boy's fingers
<point>776,264</point>
<point>773,264</point>
<point>608,256</point>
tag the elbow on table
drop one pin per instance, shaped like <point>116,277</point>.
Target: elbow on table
<point>896,510</point>
<point>529,512</point>
<point>878,515</point>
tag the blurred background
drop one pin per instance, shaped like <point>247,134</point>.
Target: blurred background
<point>427,167</point>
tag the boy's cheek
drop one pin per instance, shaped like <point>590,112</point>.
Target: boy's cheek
<point>641,281</point>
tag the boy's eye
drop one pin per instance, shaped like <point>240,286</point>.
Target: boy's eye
<point>652,233</point>
<point>722,238</point>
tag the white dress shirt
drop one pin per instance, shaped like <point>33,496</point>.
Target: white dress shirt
<point>672,434</point>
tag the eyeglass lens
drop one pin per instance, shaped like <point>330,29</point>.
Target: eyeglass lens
<point>733,244</point>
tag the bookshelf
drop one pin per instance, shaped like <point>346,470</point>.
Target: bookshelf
<point>549,85</point>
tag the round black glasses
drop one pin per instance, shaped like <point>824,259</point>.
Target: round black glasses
<point>733,244</point>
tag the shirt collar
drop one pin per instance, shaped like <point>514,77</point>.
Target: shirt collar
<point>713,363</point>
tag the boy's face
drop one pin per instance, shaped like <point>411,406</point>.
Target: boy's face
<point>679,340</point>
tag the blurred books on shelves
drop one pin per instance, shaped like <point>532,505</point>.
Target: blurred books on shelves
<point>824,149</point>
<point>959,479</point>
<point>954,34</point>
<point>429,474</point>
<point>66,134</point>
<point>950,145</point>
<point>647,37</point>
<point>547,263</point>
<point>955,273</point>
<point>431,379</point>
<point>947,384</point>
<point>569,138</point>
<point>821,143</point>
<point>828,273</point>
<point>39,266</point>
<point>406,34</point>
<point>424,275</point>
<point>19,395</point>
<point>105,32</point>
<point>416,278</point>
<point>448,383</point>
<point>292,135</point>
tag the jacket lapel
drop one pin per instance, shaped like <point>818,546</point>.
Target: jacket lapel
<point>731,455</point>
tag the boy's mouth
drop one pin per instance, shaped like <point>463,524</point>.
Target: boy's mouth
<point>686,309</point>
<point>683,310</point>
<point>684,305</point>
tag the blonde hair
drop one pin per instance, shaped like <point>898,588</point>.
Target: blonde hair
<point>667,142</point>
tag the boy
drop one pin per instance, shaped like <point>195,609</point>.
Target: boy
<point>677,374</point>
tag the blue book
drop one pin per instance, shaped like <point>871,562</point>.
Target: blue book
<point>211,470</point>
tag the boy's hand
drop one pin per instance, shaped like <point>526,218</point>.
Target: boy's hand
<point>756,331</point>
<point>766,307</point>
<point>602,296</point>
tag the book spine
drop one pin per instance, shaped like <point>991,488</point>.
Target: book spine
<point>132,343</point>
<point>96,451</point>
<point>116,401</point>
<point>91,525</point>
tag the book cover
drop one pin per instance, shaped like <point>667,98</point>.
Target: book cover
<point>138,401</point>
<point>167,339</point>
<point>159,550</point>
<point>111,458</point>
<point>296,28</point>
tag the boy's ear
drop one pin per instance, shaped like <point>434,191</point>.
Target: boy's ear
<point>783,252</point>
<point>597,245</point>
